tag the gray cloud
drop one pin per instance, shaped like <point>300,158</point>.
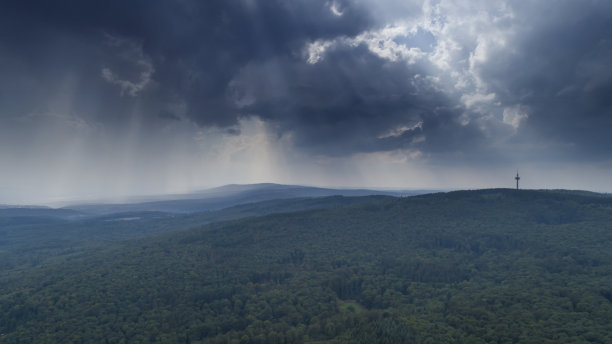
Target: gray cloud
<point>354,101</point>
<point>189,49</point>
<point>554,66</point>
<point>447,82</point>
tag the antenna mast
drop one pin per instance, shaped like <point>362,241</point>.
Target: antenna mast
<point>517,180</point>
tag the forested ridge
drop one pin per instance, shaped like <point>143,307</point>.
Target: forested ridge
<point>27,241</point>
<point>487,266</point>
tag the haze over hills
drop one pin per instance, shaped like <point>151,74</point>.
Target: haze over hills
<point>50,232</point>
<point>35,211</point>
<point>45,232</point>
<point>230,195</point>
<point>30,240</point>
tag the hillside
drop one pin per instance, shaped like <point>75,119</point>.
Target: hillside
<point>37,235</point>
<point>489,266</point>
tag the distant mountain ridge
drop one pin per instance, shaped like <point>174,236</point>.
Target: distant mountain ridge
<point>219,198</point>
<point>231,195</point>
<point>39,212</point>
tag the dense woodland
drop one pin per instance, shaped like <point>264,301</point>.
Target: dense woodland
<point>29,237</point>
<point>489,266</point>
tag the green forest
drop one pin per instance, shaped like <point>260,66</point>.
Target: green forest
<point>485,266</point>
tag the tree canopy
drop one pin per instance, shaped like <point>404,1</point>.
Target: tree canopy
<point>490,266</point>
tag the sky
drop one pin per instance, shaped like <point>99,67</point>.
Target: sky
<point>107,99</point>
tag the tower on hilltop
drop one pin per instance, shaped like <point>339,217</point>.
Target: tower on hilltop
<point>517,180</point>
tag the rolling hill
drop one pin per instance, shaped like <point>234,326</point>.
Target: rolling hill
<point>228,196</point>
<point>30,240</point>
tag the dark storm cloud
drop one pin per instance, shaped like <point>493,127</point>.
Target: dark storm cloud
<point>214,62</point>
<point>203,60</point>
<point>354,101</point>
<point>195,47</point>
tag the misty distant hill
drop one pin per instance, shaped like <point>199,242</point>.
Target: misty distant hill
<point>231,195</point>
<point>30,240</point>
<point>36,215</point>
<point>38,211</point>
